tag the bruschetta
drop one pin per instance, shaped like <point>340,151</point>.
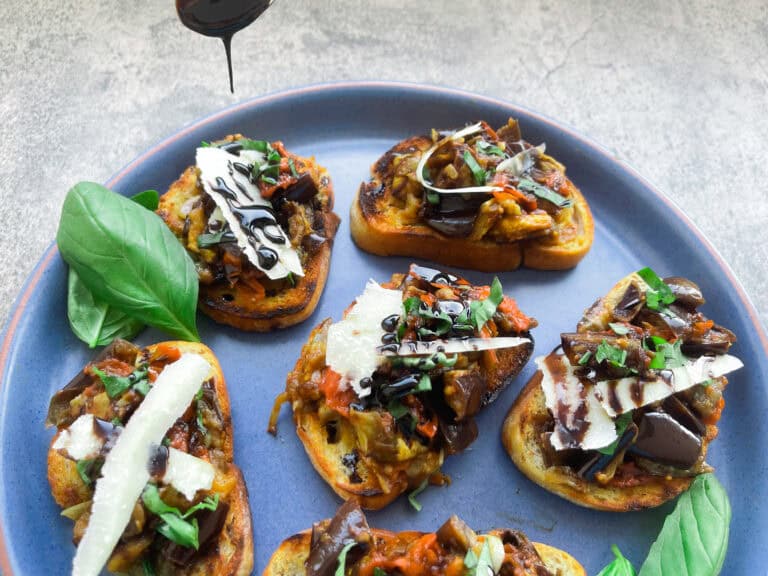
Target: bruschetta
<point>257,220</point>
<point>619,417</point>
<point>476,198</point>
<point>142,462</point>
<point>382,396</point>
<point>346,545</point>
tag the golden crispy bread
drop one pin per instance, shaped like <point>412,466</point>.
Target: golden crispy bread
<point>631,476</point>
<point>228,554</point>
<point>366,449</point>
<point>246,298</point>
<point>390,214</point>
<point>447,548</point>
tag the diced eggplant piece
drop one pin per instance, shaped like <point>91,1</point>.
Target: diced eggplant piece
<point>303,190</point>
<point>716,340</point>
<point>463,391</point>
<point>456,536</point>
<point>663,439</point>
<point>674,322</point>
<point>453,226</point>
<point>330,538</point>
<point>629,304</point>
<point>577,344</point>
<point>684,415</point>
<point>456,436</point>
<point>687,293</point>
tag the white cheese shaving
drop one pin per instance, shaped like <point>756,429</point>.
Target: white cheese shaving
<point>454,346</point>
<point>187,473</point>
<point>581,405</point>
<point>352,342</point>
<point>80,440</point>
<point>125,473</point>
<point>625,394</point>
<point>215,163</point>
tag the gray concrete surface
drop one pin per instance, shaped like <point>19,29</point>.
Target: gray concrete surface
<point>676,88</point>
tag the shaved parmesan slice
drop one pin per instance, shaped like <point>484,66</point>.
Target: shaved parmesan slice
<point>625,394</point>
<point>418,348</point>
<point>217,172</point>
<point>125,472</point>
<point>80,440</point>
<point>352,342</point>
<point>468,131</point>
<point>187,473</point>
<point>580,420</point>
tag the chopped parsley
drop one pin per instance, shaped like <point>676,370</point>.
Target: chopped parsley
<point>528,185</point>
<point>117,385</point>
<point>477,171</point>
<point>658,295</point>
<point>621,423</point>
<point>412,496</point>
<point>613,354</point>
<point>176,526</point>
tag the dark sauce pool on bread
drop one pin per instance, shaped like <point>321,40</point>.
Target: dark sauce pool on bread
<point>220,19</point>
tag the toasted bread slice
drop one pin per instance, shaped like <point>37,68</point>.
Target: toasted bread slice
<point>248,300</point>
<point>388,218</point>
<point>369,449</point>
<point>230,553</point>
<point>663,440</point>
<point>522,557</point>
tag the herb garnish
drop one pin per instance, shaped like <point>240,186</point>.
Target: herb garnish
<point>342,567</point>
<point>150,199</point>
<point>129,259</point>
<point>616,356</point>
<point>528,185</point>
<point>658,295</point>
<point>199,411</point>
<point>483,310</point>
<point>488,149</point>
<point>620,565</point>
<point>116,385</point>
<point>85,469</point>
<point>412,496</point>
<point>479,565</point>
<point>175,525</point>
<point>379,572</point>
<point>477,171</point>
<point>621,424</point>
<point>585,357</point>
<point>619,329</point>
<point>666,355</point>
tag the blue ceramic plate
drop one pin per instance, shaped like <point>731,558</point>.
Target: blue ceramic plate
<point>347,127</point>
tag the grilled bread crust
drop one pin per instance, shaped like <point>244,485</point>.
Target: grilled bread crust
<point>289,558</point>
<point>380,228</point>
<point>232,554</point>
<point>240,305</point>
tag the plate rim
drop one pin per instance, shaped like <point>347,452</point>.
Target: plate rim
<point>21,301</point>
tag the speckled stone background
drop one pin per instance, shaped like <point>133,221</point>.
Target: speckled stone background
<point>675,88</point>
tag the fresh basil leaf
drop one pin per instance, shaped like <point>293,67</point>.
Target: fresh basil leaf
<point>479,565</point>
<point>142,387</point>
<point>379,572</point>
<point>620,565</point>
<point>258,145</point>
<point>483,310</point>
<point>585,357</point>
<point>528,185</point>
<point>621,424</point>
<point>694,538</point>
<point>342,567</point>
<point>292,166</point>
<point>96,323</point>
<point>117,385</point>
<point>488,149</point>
<point>128,258</point>
<point>396,408</point>
<point>411,305</point>
<point>175,525</point>
<point>477,172</point>
<point>619,329</point>
<point>180,531</point>
<point>658,295</point>
<point>150,199</point>
<point>412,496</point>
<point>424,385</point>
<point>613,354</point>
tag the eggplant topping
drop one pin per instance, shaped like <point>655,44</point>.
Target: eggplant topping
<point>663,439</point>
<point>687,293</point>
<point>456,536</point>
<point>330,537</point>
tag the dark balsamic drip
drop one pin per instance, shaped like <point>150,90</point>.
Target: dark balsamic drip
<point>252,218</point>
<point>389,324</point>
<point>158,462</point>
<point>220,19</point>
<point>579,425</point>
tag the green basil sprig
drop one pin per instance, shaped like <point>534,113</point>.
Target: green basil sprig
<point>415,504</point>
<point>619,567</point>
<point>129,259</point>
<point>483,310</point>
<point>342,559</point>
<point>175,525</point>
<point>694,538</point>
